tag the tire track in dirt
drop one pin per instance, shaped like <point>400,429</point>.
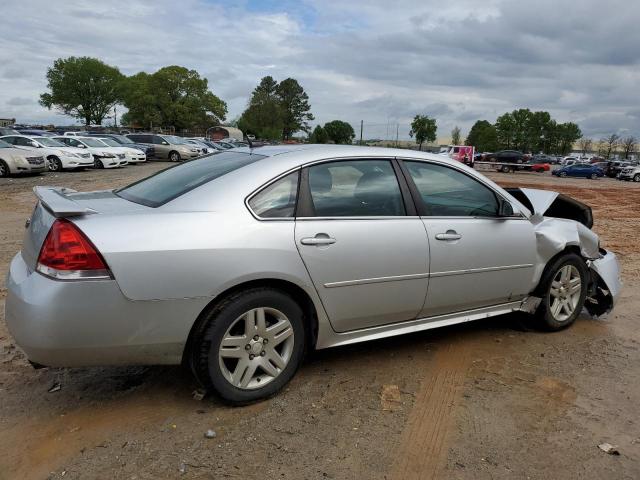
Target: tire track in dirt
<point>424,445</point>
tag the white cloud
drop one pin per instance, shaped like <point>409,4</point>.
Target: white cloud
<point>357,60</point>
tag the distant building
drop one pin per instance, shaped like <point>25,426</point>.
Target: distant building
<point>7,122</point>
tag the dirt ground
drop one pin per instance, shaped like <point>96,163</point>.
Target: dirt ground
<point>484,400</point>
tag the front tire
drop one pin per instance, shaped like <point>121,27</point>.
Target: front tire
<point>636,177</point>
<point>55,165</point>
<point>249,345</point>
<point>4,169</point>
<point>99,164</point>
<point>563,289</point>
<point>174,156</point>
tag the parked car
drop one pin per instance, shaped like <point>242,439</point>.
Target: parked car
<point>543,158</point>
<point>35,132</point>
<point>8,131</point>
<point>570,160</point>
<point>579,170</point>
<point>631,172</point>
<point>166,147</point>
<point>535,166</point>
<point>132,155</point>
<point>15,160</point>
<point>240,297</point>
<point>616,167</point>
<point>203,148</point>
<point>58,155</point>
<point>125,141</point>
<point>102,157</point>
<point>507,157</point>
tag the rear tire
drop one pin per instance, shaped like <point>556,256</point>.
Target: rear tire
<point>4,169</point>
<point>594,176</point>
<point>563,289</point>
<point>505,169</point>
<point>264,342</point>
<point>563,174</point>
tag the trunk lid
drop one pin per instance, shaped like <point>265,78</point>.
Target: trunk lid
<point>57,202</point>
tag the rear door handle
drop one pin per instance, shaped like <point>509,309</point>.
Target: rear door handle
<point>319,239</point>
<point>449,236</point>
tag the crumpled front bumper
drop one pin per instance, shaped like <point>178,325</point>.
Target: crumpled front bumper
<point>607,284</point>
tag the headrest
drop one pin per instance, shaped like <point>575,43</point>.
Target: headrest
<point>320,179</point>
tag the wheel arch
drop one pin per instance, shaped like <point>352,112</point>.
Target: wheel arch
<point>568,249</point>
<point>297,293</point>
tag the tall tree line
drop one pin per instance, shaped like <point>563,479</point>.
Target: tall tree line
<point>526,131</point>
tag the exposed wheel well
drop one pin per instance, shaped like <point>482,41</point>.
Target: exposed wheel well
<point>291,289</point>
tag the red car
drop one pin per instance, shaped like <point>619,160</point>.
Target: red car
<point>538,167</point>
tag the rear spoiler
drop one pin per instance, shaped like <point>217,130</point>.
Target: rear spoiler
<point>56,201</point>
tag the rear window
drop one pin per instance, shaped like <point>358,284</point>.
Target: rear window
<point>173,182</point>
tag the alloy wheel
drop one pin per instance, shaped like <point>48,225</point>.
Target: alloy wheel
<point>53,165</point>
<point>256,348</point>
<point>3,170</point>
<point>636,178</point>
<point>565,292</point>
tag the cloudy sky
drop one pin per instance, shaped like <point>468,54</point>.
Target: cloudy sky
<point>380,61</point>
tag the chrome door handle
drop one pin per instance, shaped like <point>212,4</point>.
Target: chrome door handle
<point>320,239</point>
<point>450,235</point>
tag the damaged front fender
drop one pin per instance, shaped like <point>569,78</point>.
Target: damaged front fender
<point>560,223</point>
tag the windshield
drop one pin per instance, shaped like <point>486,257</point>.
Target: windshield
<point>110,141</point>
<point>92,142</point>
<point>49,142</point>
<point>4,144</point>
<point>121,139</point>
<point>173,140</point>
<point>169,184</point>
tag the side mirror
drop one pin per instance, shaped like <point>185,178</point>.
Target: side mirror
<point>165,143</point>
<point>505,209</point>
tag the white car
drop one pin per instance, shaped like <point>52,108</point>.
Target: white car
<point>132,155</point>
<point>58,155</point>
<point>203,149</point>
<point>15,160</point>
<point>103,158</point>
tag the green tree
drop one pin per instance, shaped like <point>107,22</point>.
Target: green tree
<point>505,131</point>
<point>173,96</point>
<point>295,106</point>
<point>568,134</point>
<point>264,116</point>
<point>455,136</point>
<point>424,129</point>
<point>319,135</point>
<point>82,87</point>
<point>483,137</point>
<point>339,132</point>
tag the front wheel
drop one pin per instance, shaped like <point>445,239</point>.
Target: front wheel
<point>636,177</point>
<point>55,165</point>
<point>99,164</point>
<point>594,176</point>
<point>250,345</point>
<point>563,174</point>
<point>4,169</point>
<point>174,156</point>
<point>563,289</point>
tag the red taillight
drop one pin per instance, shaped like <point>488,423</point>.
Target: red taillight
<point>67,254</point>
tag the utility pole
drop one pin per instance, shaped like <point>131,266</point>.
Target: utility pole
<point>115,117</point>
<point>397,130</point>
<point>361,125</point>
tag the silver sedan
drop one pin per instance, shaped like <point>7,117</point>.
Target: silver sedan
<point>240,262</point>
